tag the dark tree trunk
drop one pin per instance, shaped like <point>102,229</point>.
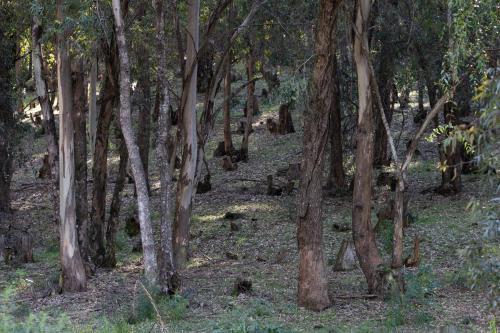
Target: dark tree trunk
<point>313,284</point>
<point>384,77</point>
<point>7,122</point>
<point>336,176</point>
<point>114,209</point>
<point>80,150</point>
<point>49,124</point>
<point>363,235</point>
<point>228,141</point>
<point>144,114</point>
<point>251,103</point>
<point>108,98</point>
<point>451,157</point>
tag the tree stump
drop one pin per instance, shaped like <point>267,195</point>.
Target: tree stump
<point>204,186</point>
<point>285,120</point>
<point>16,247</point>
<point>271,189</point>
<point>271,125</point>
<point>228,165</point>
<point>413,260</point>
<point>346,257</point>
<point>44,171</point>
<point>220,150</point>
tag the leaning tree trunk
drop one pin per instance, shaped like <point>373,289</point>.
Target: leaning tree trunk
<point>363,235</point>
<point>73,273</point>
<point>80,151</point>
<point>166,263</point>
<point>7,122</point>
<point>186,182</point>
<point>148,246</point>
<point>251,101</point>
<point>336,175</point>
<point>49,125</point>
<point>313,284</point>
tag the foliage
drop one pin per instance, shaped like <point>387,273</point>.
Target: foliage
<point>413,304</point>
<point>34,322</point>
<point>483,258</point>
<point>145,305</point>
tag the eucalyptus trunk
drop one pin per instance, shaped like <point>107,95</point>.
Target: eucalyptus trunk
<point>73,276</point>
<point>363,234</point>
<point>186,182</point>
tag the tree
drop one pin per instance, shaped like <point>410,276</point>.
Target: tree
<point>73,273</point>
<point>148,246</point>
<point>363,234</point>
<point>80,155</point>
<point>313,286</point>
<point>166,262</point>
<point>336,177</point>
<point>7,121</point>
<point>186,183</point>
<point>49,124</point>
<point>251,99</point>
<point>228,142</point>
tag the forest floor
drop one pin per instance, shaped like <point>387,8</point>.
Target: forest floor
<point>263,250</point>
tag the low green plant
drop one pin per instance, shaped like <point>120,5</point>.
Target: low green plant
<point>33,322</point>
<point>150,304</point>
<point>413,305</point>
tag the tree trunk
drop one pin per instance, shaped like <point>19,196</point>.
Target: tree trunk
<point>80,151</point>
<point>186,183</point>
<point>166,261</point>
<point>108,98</point>
<point>148,246</point>
<point>7,121</point>
<point>93,104</point>
<point>114,209</point>
<point>363,235</point>
<point>251,101</point>
<point>384,76</point>
<point>336,175</point>
<point>228,142</point>
<point>313,284</point>
<point>49,125</point>
<point>144,111</point>
<point>73,273</point>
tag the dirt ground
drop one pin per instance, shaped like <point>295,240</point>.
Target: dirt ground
<point>263,250</point>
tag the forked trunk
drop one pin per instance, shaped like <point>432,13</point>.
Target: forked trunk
<point>186,183</point>
<point>363,235</point>
<point>313,284</point>
<point>73,273</point>
<point>148,246</point>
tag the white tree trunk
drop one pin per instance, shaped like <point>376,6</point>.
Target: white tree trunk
<point>73,272</point>
<point>148,245</point>
<point>186,183</point>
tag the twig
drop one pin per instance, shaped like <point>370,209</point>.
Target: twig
<point>158,316</point>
